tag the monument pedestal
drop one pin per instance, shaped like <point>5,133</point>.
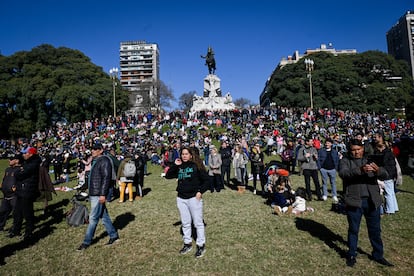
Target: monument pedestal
<point>212,99</point>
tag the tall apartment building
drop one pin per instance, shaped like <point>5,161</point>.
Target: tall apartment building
<point>140,74</point>
<point>400,39</point>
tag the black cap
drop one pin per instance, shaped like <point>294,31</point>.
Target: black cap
<point>356,142</point>
<point>16,156</point>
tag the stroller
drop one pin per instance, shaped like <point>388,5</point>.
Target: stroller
<point>273,171</point>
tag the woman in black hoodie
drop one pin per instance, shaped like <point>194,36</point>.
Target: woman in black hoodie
<point>193,181</point>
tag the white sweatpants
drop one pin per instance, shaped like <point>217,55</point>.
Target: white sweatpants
<point>191,211</point>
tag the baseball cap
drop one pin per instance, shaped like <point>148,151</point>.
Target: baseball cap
<point>16,156</point>
<point>30,150</point>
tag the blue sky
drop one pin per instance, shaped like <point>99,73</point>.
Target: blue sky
<point>248,37</point>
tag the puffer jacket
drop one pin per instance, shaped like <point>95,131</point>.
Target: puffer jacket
<point>100,176</point>
<point>27,185</point>
<point>9,181</point>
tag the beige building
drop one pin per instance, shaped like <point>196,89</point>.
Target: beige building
<point>139,74</point>
<point>400,39</point>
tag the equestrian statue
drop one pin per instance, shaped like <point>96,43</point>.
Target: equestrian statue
<point>210,61</point>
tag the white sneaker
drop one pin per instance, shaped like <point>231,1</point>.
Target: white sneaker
<point>254,192</point>
<point>324,198</point>
<point>335,199</point>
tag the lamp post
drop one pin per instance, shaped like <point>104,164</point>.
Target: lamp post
<point>309,67</point>
<point>113,73</point>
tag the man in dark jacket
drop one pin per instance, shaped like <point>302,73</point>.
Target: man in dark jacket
<point>140,160</point>
<point>362,197</point>
<point>328,163</point>
<point>226,154</point>
<point>99,181</point>
<point>27,191</point>
<point>8,188</point>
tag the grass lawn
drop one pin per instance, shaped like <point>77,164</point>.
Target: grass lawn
<point>243,238</point>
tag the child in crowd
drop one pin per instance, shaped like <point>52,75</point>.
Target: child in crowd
<point>282,197</point>
<point>299,205</point>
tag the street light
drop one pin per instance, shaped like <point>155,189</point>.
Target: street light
<point>309,67</point>
<point>114,76</point>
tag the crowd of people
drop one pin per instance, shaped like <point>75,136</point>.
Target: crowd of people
<point>232,145</point>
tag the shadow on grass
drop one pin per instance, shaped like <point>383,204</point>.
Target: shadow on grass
<point>55,216</point>
<point>403,191</point>
<point>233,184</point>
<point>146,191</point>
<point>323,233</point>
<point>120,222</point>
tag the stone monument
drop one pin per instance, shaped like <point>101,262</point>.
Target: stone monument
<point>212,99</point>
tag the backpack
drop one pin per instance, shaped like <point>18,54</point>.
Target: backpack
<point>130,169</point>
<point>78,214</point>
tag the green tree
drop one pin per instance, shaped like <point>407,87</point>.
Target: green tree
<point>359,82</point>
<point>48,84</point>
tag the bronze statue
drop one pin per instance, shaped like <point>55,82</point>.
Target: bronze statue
<point>210,61</point>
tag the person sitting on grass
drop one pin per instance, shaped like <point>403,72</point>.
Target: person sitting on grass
<point>280,203</point>
<point>299,205</point>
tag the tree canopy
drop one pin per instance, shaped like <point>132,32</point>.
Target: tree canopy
<point>47,84</point>
<point>371,81</point>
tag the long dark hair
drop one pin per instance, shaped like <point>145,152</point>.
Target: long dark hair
<point>195,158</point>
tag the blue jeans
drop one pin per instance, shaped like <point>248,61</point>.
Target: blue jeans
<point>373,221</point>
<point>332,178</point>
<point>98,211</point>
<point>391,204</point>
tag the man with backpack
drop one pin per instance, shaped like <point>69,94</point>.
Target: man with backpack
<point>125,177</point>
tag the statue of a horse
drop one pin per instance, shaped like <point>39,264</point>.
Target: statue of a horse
<point>210,61</point>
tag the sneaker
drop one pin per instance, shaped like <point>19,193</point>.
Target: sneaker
<point>335,199</point>
<point>200,251</point>
<point>254,192</point>
<point>82,247</point>
<point>383,261</point>
<point>350,261</point>
<point>186,248</point>
<point>112,241</point>
<point>324,198</point>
